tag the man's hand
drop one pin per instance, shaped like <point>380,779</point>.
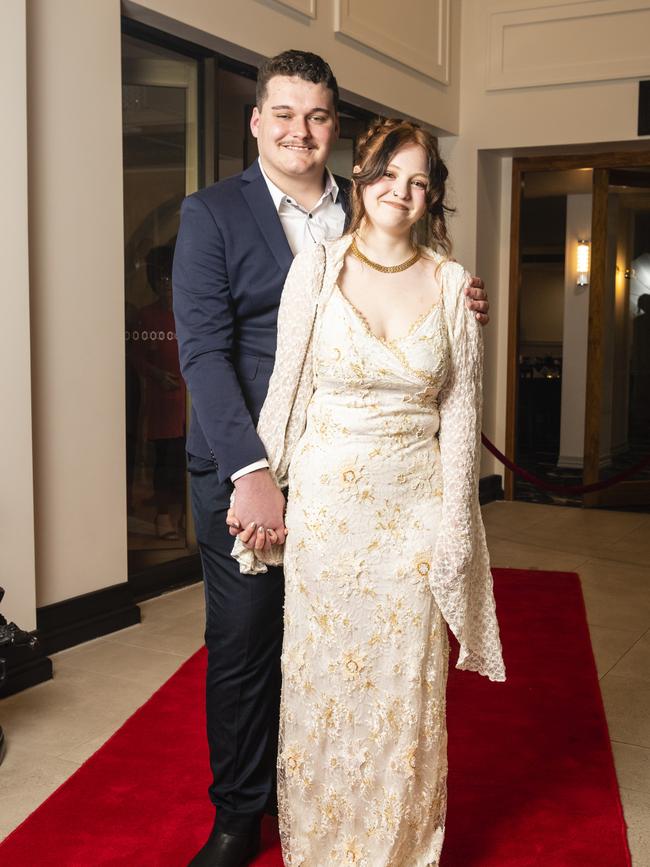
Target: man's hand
<point>259,511</point>
<point>477,300</point>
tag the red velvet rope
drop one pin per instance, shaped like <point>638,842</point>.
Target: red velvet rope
<point>564,489</point>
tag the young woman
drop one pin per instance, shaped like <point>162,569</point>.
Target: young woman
<point>373,420</point>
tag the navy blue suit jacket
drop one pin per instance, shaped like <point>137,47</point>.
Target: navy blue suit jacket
<point>230,263</point>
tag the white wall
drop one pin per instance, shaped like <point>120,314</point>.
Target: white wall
<point>576,328</point>
<point>77,273</point>
<point>493,179</point>
<point>364,65</point>
<point>513,99</point>
<point>17,568</point>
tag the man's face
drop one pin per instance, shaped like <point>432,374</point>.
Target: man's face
<point>295,127</point>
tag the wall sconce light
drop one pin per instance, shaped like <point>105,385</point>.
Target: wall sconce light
<point>582,263</point>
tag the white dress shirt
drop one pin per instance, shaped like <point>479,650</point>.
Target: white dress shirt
<point>324,222</point>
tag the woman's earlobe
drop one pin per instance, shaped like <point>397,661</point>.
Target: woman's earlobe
<point>356,170</point>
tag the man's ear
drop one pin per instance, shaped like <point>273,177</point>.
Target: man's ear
<point>255,121</point>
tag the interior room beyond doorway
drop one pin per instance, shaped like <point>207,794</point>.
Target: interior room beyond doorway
<point>579,347</point>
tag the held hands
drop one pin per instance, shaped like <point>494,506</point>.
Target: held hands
<point>477,300</point>
<point>257,516</point>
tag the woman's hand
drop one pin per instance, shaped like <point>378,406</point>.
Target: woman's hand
<point>264,498</point>
<point>252,536</point>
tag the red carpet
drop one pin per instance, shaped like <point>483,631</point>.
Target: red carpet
<point>531,775</point>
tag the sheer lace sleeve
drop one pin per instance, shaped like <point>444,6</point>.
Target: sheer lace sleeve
<point>283,416</point>
<point>282,420</point>
<point>460,579</point>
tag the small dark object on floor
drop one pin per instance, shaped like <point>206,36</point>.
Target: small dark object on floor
<point>10,636</point>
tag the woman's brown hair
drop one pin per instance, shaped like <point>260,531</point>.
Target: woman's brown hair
<point>374,151</point>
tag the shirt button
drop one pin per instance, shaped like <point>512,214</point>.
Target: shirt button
<point>309,215</point>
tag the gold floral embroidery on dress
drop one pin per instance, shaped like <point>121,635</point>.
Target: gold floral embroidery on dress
<point>423,398</point>
<point>353,480</point>
<point>422,564</point>
<point>295,762</point>
<point>422,476</point>
<point>420,320</point>
<point>395,345</point>
<point>350,851</point>
<point>388,518</point>
<point>416,324</point>
<point>327,619</point>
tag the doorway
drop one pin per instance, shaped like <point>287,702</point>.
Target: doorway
<point>160,126</point>
<point>578,409</point>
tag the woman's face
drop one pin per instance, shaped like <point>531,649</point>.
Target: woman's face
<point>397,200</point>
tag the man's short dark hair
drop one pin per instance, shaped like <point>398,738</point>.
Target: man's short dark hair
<point>299,64</point>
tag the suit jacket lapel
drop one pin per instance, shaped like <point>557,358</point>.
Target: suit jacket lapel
<point>344,198</point>
<point>259,201</point>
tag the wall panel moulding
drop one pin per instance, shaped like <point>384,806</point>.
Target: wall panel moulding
<point>307,7</point>
<point>415,33</point>
<point>593,40</point>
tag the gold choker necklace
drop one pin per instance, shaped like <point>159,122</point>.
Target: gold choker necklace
<point>385,269</point>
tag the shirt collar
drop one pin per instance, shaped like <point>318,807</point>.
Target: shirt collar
<point>279,197</point>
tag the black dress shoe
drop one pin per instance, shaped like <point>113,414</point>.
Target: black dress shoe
<point>227,850</point>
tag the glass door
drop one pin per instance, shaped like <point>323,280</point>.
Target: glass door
<point>578,395</point>
<point>186,114</point>
<point>160,106</point>
<point>617,422</point>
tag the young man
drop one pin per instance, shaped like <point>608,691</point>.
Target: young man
<point>235,245</point>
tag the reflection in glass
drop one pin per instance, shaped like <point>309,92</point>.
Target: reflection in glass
<point>640,349</point>
<point>160,167</point>
<point>160,101</point>
<point>542,367</point>
<point>237,147</point>
<point>625,419</point>
<point>156,357</point>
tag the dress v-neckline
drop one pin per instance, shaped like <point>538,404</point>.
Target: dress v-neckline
<point>384,341</point>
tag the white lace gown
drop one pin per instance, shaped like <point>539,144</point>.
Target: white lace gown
<point>362,764</point>
<point>381,446</point>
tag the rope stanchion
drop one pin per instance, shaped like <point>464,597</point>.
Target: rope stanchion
<point>563,489</point>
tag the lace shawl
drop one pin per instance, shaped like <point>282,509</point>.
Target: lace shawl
<point>460,577</point>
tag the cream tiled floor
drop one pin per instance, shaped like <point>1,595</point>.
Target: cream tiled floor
<point>52,728</point>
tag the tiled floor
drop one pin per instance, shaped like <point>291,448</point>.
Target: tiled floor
<point>52,728</point>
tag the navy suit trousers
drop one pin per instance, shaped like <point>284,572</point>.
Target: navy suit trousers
<point>244,641</point>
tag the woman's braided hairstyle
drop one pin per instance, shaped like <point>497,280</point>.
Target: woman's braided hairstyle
<point>374,151</point>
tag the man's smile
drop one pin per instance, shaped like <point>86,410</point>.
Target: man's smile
<point>294,147</point>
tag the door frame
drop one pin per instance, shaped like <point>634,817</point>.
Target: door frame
<point>600,163</point>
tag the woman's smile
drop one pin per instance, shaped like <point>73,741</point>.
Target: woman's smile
<point>394,205</point>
